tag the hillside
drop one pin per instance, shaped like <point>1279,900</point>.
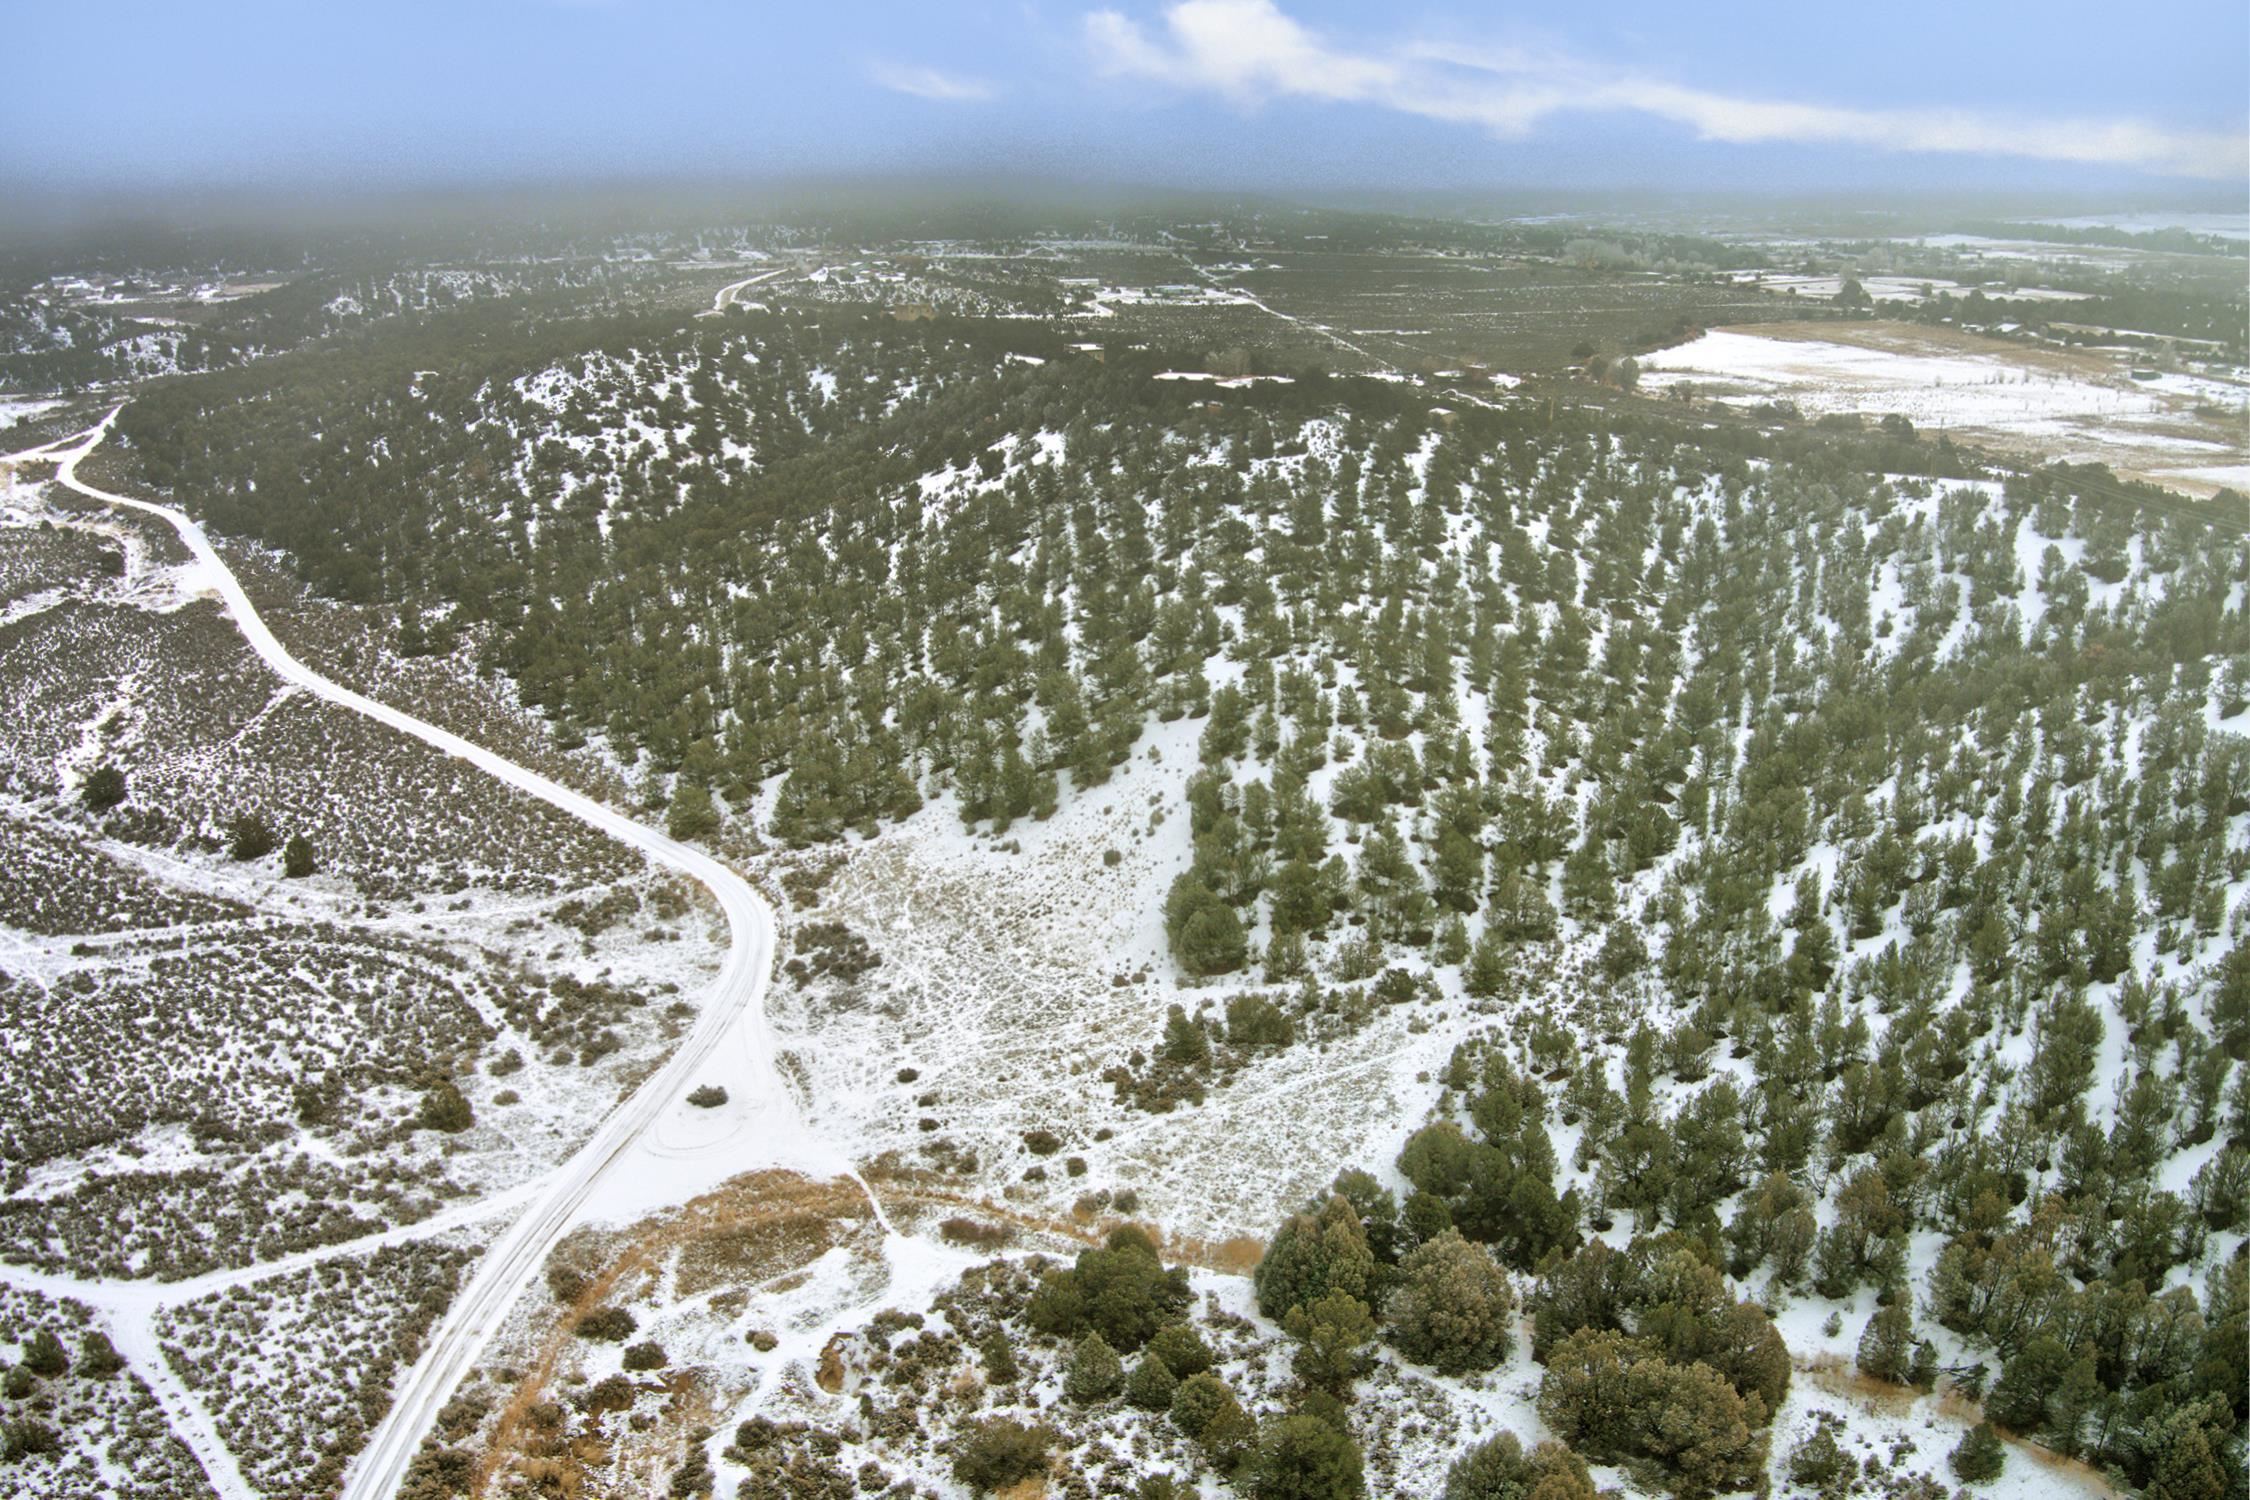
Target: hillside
<point>1710,937</point>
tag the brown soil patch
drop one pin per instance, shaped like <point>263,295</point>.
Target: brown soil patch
<point>1833,1375</point>
<point>753,1227</point>
<point>912,1196</point>
<point>754,1230</point>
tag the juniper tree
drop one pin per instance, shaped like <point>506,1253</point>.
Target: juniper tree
<point>1454,1308</point>
<point>1094,1373</point>
<point>1980,1456</point>
<point>1313,1255</point>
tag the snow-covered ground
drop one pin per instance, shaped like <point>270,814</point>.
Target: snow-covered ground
<point>2076,408</point>
<point>653,1149</point>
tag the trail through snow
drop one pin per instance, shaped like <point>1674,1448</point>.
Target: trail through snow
<point>652,1151</point>
<point>734,289</point>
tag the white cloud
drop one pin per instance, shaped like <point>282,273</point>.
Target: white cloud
<point>1248,51</point>
<point>929,83</point>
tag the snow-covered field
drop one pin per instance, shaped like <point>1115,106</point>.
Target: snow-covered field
<point>2074,408</point>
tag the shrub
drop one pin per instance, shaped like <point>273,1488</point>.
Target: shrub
<point>1500,1470</point>
<point>297,857</point>
<point>645,1355</point>
<point>104,788</point>
<point>610,1393</point>
<point>1980,1455</point>
<point>975,1233</point>
<point>1455,1310</point>
<point>1304,1458</point>
<point>43,1355</point>
<point>566,1284</point>
<point>1041,1142</point>
<point>1312,1256</point>
<point>1152,1384</point>
<point>1095,1372</point>
<point>608,1325</point>
<point>444,1108</point>
<point>1001,1452</point>
<point>250,837</point>
<point>1120,1290</point>
<point>707,1096</point>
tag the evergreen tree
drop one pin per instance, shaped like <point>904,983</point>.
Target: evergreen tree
<point>444,1108</point>
<point>1499,1469</point>
<point>297,857</point>
<point>1886,1346</point>
<point>1095,1373</point>
<point>104,788</point>
<point>2189,1462</point>
<point>43,1354</point>
<point>1331,1334</point>
<point>2019,1397</point>
<point>1152,1384</point>
<point>1312,1256</point>
<point>1980,1455</point>
<point>249,837</point>
<point>998,1353</point>
<point>1304,1458</point>
<point>1454,1308</point>
<point>693,815</point>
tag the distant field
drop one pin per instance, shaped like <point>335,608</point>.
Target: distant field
<point>2183,431</point>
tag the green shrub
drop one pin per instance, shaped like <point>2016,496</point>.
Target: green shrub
<point>1454,1310</point>
<point>1980,1455</point>
<point>608,1325</point>
<point>297,857</point>
<point>250,837</point>
<point>1095,1373</point>
<point>1499,1469</point>
<point>104,788</point>
<point>1304,1458</point>
<point>1152,1384</point>
<point>1001,1452</point>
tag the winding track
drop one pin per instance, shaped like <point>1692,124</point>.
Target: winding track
<point>732,1006</point>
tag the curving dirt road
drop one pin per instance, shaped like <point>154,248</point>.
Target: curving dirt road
<point>762,1123</point>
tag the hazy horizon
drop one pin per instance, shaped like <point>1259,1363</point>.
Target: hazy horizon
<point>1285,97</point>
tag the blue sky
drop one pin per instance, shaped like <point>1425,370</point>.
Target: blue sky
<point>1284,94</point>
